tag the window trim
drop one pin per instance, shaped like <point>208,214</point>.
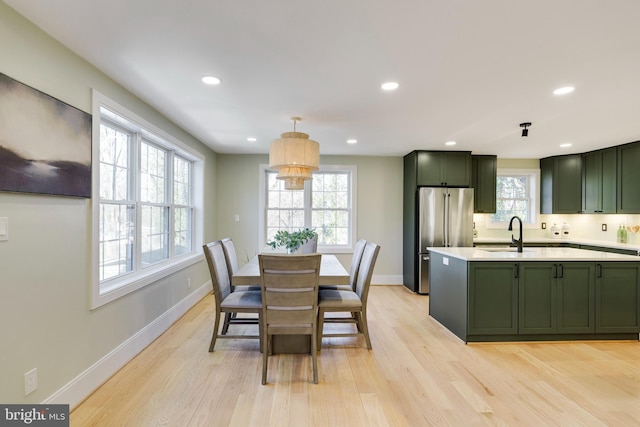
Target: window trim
<point>127,283</point>
<point>534,188</point>
<point>262,207</point>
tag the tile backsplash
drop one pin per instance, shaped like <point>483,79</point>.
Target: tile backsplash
<point>582,226</point>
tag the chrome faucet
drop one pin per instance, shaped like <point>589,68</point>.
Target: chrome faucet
<point>518,242</point>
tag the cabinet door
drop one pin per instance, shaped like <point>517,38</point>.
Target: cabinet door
<point>567,184</point>
<point>444,168</point>
<point>629,178</point>
<point>484,177</point>
<point>592,182</point>
<point>537,308</point>
<point>609,180</point>
<point>599,181</point>
<point>493,298</point>
<point>575,297</point>
<point>457,172</point>
<point>617,297</point>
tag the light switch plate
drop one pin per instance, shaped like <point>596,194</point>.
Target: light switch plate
<point>4,228</point>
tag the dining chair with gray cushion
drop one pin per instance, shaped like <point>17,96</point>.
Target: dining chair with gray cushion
<point>353,269</point>
<point>290,301</point>
<point>228,301</point>
<point>232,267</point>
<point>335,300</point>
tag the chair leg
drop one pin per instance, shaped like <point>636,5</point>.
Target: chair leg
<point>227,321</point>
<point>365,328</point>
<point>314,355</point>
<point>319,328</point>
<point>265,357</point>
<point>216,324</point>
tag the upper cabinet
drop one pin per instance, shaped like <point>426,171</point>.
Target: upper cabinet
<point>444,168</point>
<point>629,178</point>
<point>561,184</point>
<point>599,181</point>
<point>484,173</point>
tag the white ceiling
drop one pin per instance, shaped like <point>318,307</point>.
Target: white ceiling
<point>469,70</point>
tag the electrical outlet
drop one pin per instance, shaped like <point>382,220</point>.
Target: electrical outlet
<point>544,225</point>
<point>30,381</point>
<point>604,227</point>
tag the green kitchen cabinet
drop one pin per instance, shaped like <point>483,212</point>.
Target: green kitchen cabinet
<point>599,181</point>
<point>484,179</point>
<point>444,168</point>
<point>561,184</point>
<point>493,298</point>
<point>629,178</point>
<point>617,297</point>
<point>556,298</point>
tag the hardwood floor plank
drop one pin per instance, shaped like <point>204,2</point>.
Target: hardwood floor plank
<point>417,373</point>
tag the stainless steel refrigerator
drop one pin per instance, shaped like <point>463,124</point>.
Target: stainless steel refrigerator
<point>445,219</point>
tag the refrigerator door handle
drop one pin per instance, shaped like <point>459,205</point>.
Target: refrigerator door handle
<point>447,218</point>
<point>445,227</point>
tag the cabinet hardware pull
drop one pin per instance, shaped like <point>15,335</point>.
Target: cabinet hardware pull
<point>516,271</point>
<point>599,271</point>
<point>561,271</point>
<point>555,271</point>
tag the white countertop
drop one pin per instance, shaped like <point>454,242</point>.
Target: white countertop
<point>575,241</point>
<point>532,254</point>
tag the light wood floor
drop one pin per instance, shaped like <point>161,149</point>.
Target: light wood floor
<point>417,374</point>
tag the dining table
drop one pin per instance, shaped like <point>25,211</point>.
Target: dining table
<point>332,272</point>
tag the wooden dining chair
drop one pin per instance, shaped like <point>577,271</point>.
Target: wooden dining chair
<point>358,249</point>
<point>232,267</point>
<point>228,301</point>
<point>290,301</point>
<point>355,301</point>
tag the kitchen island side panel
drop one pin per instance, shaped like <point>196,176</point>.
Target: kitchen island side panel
<point>448,277</point>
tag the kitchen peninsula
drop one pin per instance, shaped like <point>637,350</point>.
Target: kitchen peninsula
<point>541,294</point>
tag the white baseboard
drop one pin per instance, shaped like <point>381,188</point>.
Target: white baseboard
<point>93,377</point>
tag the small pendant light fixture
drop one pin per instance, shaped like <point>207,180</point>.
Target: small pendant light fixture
<point>294,156</point>
<point>525,131</point>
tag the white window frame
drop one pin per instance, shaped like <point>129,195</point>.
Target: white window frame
<point>353,203</point>
<point>124,284</point>
<point>533,176</point>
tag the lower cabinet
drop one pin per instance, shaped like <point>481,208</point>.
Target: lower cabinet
<point>538,299</point>
<point>493,298</point>
<point>617,297</point>
<point>556,298</point>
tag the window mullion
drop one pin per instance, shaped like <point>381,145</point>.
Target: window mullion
<point>136,160</point>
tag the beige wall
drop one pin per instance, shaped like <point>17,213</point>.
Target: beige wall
<point>45,265</point>
<point>379,206</point>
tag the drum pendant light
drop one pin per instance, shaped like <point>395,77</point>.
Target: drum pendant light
<point>294,156</point>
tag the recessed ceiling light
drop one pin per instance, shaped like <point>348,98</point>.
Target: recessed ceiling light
<point>390,86</point>
<point>564,90</point>
<point>450,143</point>
<point>252,139</point>
<point>566,145</point>
<point>211,80</point>
<point>352,141</point>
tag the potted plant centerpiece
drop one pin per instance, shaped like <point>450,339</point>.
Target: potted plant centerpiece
<point>292,240</point>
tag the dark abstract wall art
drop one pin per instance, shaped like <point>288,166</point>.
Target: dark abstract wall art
<point>45,144</point>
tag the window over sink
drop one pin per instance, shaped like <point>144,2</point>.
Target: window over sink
<point>517,193</point>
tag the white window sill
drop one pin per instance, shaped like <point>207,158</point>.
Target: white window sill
<point>112,290</point>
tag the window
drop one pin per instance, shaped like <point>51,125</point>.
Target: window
<point>326,204</point>
<point>517,194</point>
<point>147,199</point>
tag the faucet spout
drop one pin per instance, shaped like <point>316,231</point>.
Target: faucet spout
<point>518,242</point>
